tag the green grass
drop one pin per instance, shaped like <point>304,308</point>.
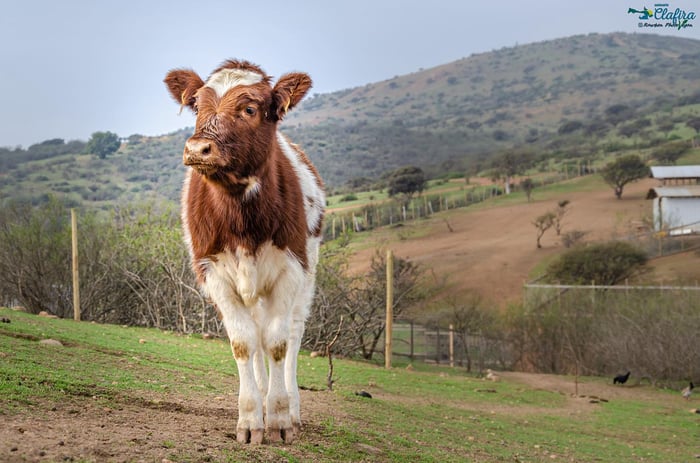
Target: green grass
<point>430,414</point>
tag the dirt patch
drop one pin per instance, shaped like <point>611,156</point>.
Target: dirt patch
<point>493,250</point>
<point>171,427</point>
<point>586,390</point>
<point>589,396</point>
<point>148,429</point>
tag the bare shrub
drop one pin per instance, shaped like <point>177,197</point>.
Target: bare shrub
<point>601,332</point>
<point>359,299</point>
<point>572,238</point>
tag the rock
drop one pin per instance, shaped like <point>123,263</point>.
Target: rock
<point>51,342</point>
<point>491,376</point>
<point>368,449</point>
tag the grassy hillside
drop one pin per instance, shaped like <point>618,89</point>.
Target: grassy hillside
<point>577,99</point>
<point>459,114</point>
<point>114,393</point>
<point>146,169</point>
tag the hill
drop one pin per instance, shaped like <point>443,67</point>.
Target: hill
<point>491,249</point>
<point>113,393</point>
<point>560,98</point>
<point>567,100</point>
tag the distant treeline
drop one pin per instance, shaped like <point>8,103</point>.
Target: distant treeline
<point>11,158</point>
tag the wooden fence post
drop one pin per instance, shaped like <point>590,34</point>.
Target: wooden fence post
<point>76,277</point>
<point>452,346</point>
<point>389,308</point>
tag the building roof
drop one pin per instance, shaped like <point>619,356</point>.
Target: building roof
<point>668,172</point>
<point>681,191</point>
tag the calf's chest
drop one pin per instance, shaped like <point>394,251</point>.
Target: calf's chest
<point>247,277</point>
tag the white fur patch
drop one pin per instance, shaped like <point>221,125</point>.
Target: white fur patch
<point>226,79</point>
<point>184,212</point>
<point>253,187</point>
<point>314,197</point>
<point>240,274</point>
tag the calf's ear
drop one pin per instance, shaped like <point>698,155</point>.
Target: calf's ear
<point>183,84</point>
<point>288,91</point>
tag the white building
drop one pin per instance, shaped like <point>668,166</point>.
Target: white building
<point>677,202</point>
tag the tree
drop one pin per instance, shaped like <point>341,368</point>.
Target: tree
<point>360,300</point>
<point>604,264</point>
<point>618,113</point>
<point>103,144</point>
<point>542,224</point>
<point>528,185</point>
<point>570,127</point>
<point>694,124</point>
<point>626,169</point>
<point>512,163</point>
<point>559,213</point>
<point>669,153</point>
<point>468,317</point>
<point>370,301</point>
<point>407,181</point>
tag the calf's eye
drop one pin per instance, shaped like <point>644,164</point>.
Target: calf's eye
<point>249,110</point>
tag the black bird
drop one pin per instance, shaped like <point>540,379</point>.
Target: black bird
<point>687,391</point>
<point>364,394</point>
<point>621,379</point>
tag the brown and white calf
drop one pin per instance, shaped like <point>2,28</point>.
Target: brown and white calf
<point>252,209</point>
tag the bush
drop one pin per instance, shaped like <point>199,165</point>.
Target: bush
<point>569,239</point>
<point>670,152</point>
<point>604,264</point>
<point>602,332</point>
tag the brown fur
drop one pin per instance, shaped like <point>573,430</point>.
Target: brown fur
<point>241,127</point>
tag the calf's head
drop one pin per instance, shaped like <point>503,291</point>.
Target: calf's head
<point>237,112</point>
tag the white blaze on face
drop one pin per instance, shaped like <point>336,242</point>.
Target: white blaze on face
<point>226,79</point>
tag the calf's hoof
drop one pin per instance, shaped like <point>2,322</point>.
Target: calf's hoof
<point>249,436</point>
<point>285,435</point>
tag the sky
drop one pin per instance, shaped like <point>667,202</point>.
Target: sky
<point>70,68</point>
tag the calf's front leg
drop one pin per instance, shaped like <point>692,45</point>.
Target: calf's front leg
<point>243,335</point>
<point>278,423</point>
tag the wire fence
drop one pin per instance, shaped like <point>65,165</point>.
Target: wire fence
<point>664,242</point>
<point>394,212</point>
<point>414,342</point>
<point>604,328</point>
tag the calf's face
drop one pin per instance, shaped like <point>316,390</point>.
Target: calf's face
<point>237,112</point>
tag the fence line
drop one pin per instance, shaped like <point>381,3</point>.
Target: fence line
<point>622,287</point>
<point>441,346</point>
<point>392,212</point>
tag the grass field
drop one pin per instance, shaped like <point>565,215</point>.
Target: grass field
<point>114,393</point>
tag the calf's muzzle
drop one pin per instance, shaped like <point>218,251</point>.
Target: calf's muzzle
<point>199,152</point>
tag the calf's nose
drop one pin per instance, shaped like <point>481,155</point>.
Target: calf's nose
<point>196,151</point>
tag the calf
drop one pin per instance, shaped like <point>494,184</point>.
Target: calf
<point>252,210</point>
